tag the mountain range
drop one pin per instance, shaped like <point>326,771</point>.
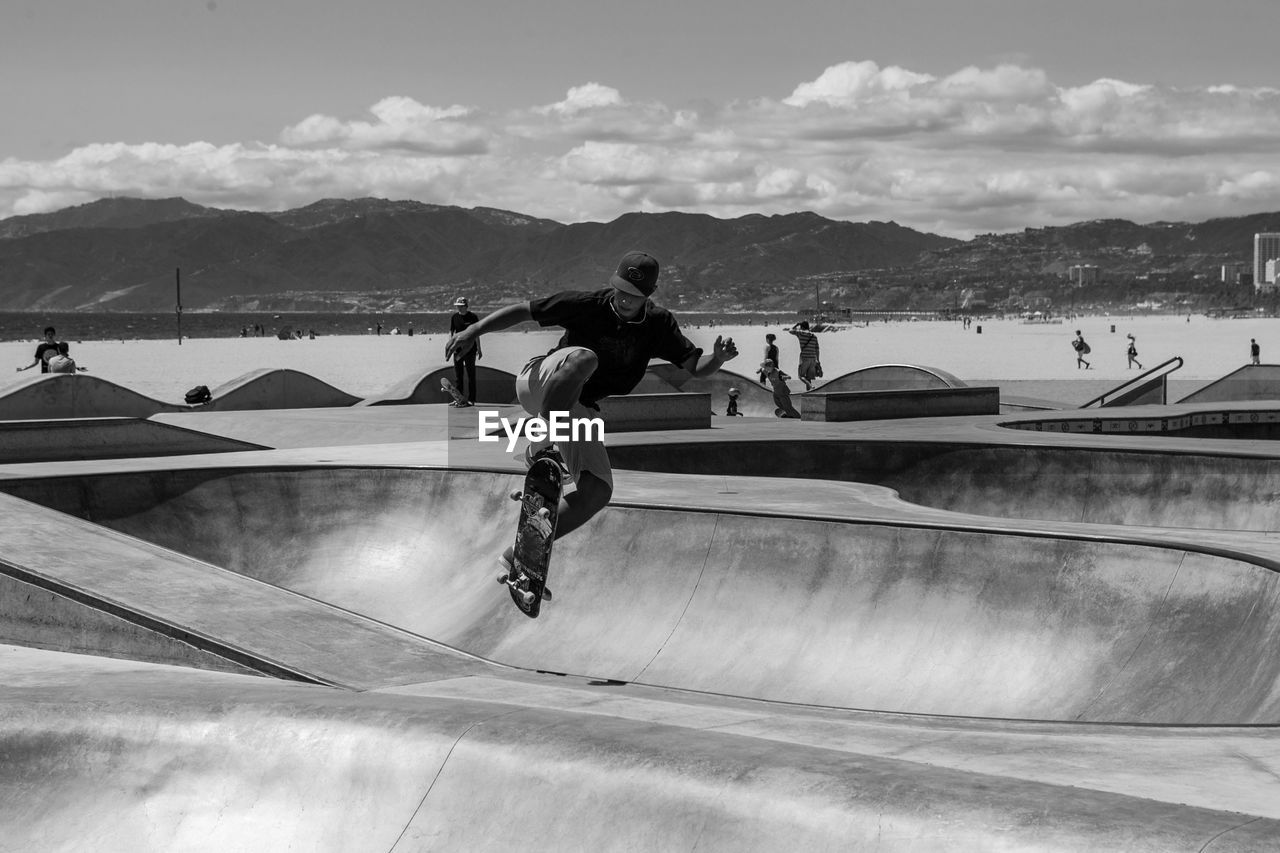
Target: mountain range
<point>129,254</point>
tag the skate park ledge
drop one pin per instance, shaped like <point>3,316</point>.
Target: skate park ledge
<point>643,412</point>
<point>901,403</point>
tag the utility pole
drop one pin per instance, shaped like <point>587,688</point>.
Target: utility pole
<point>177,283</point>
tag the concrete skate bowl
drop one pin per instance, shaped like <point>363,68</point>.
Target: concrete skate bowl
<point>1181,490</point>
<point>492,386</point>
<point>905,618</point>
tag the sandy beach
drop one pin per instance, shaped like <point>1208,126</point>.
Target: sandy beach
<point>1033,360</point>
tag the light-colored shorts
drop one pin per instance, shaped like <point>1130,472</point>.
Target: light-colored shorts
<point>808,369</point>
<point>583,455</point>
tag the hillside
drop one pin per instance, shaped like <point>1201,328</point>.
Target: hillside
<point>118,255</point>
<point>379,254</point>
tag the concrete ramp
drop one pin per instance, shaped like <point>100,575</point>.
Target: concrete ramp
<point>78,395</point>
<point>892,377</point>
<point>273,388</point>
<point>492,386</point>
<point>754,399</point>
<point>911,619</point>
<point>171,759</point>
<point>1251,382</point>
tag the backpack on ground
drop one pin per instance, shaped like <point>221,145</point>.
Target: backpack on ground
<point>198,395</point>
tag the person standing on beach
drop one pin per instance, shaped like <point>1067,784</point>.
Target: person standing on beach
<point>45,350</point>
<point>610,336</point>
<point>1082,349</point>
<point>464,362</point>
<point>770,352</point>
<point>1132,352</point>
<point>1255,352</point>
<point>808,368</point>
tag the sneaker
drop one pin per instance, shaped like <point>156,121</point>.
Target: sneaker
<point>532,451</point>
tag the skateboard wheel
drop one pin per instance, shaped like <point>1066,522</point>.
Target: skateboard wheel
<point>516,495</point>
<point>543,512</point>
<point>502,577</point>
<point>527,597</point>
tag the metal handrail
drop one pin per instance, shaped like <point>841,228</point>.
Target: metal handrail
<point>1136,381</point>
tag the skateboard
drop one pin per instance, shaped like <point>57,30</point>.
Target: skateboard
<point>535,533</point>
<point>452,390</point>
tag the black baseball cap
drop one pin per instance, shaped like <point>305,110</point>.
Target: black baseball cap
<point>637,274</point>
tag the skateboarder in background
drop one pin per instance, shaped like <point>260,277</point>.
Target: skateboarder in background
<point>1255,352</point>
<point>610,336</point>
<point>466,362</point>
<point>783,407</point>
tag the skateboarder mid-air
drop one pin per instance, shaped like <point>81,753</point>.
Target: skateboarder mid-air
<point>610,336</point>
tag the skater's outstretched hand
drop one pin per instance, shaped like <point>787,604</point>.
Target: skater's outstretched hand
<point>725,349</point>
<point>460,344</point>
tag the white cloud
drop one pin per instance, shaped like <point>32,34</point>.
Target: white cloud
<point>400,122</point>
<point>975,150</point>
<point>586,97</point>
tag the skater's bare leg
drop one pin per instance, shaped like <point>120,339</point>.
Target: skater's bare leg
<point>565,385</point>
<point>580,505</point>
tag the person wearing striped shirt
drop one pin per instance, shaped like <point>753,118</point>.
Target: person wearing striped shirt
<point>808,369</point>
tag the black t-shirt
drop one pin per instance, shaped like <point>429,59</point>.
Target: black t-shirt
<point>623,348</point>
<point>458,322</point>
<point>44,347</point>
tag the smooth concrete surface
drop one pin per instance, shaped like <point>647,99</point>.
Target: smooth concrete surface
<point>186,760</point>
<point>492,386</point>
<point>654,411</point>
<point>825,405</point>
<point>276,388</point>
<point>105,438</point>
<point>891,377</point>
<point>1137,652</point>
<point>75,395</point>
<point>914,620</point>
<point>1251,382</point>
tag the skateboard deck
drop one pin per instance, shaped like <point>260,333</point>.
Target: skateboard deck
<point>449,388</point>
<point>535,533</point>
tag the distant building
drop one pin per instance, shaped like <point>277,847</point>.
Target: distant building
<point>1231,272</point>
<point>1269,271</point>
<point>1266,247</point>
<point>1082,274</point>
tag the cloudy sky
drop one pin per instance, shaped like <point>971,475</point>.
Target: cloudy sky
<point>952,116</point>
